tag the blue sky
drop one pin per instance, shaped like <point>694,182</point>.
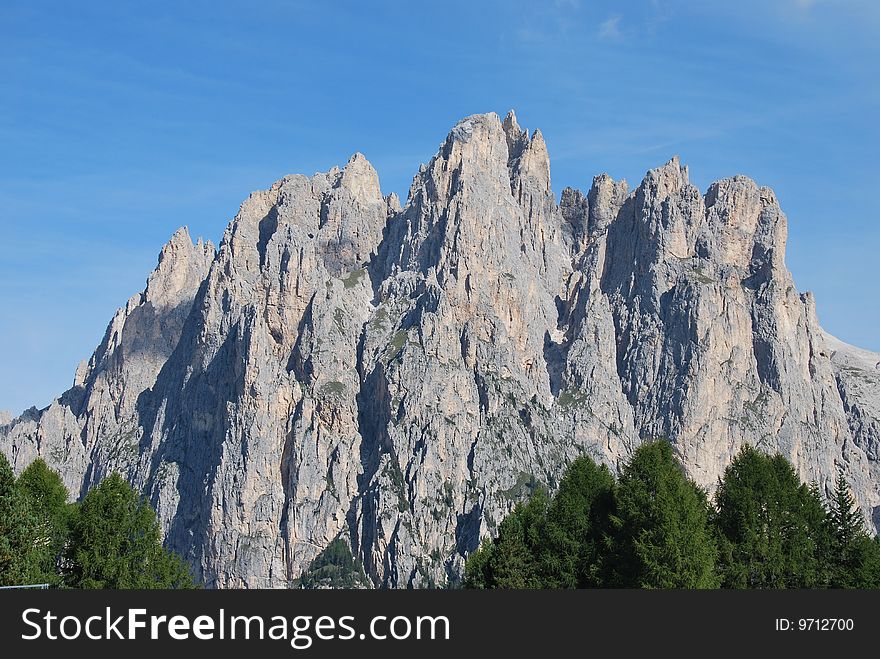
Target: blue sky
<point>120,122</point>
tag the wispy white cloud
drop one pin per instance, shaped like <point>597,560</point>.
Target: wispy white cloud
<point>852,7</point>
<point>530,35</point>
<point>609,29</point>
<point>546,23</point>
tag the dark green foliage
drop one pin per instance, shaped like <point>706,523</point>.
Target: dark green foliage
<point>115,542</point>
<point>111,540</point>
<point>45,487</point>
<point>855,556</point>
<point>20,533</point>
<point>663,538</point>
<point>514,562</point>
<point>556,543</point>
<point>334,567</point>
<point>859,565</point>
<point>48,499</point>
<point>511,560</point>
<point>653,529</point>
<point>477,569</point>
<point>772,529</point>
<point>656,529</point>
<point>845,518</point>
<point>576,529</point>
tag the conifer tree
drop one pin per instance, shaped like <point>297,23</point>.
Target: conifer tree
<point>573,551</point>
<point>772,529</point>
<point>48,500</point>
<point>856,557</point>
<point>511,559</point>
<point>115,542</point>
<point>846,519</point>
<point>663,538</point>
<point>19,533</point>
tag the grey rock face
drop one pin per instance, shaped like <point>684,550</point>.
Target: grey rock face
<point>399,377</point>
<point>92,429</point>
<point>857,373</point>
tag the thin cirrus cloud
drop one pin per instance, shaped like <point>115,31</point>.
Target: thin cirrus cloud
<point>609,29</point>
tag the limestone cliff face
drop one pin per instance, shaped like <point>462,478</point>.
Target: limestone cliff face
<point>93,428</point>
<point>857,373</point>
<point>399,378</point>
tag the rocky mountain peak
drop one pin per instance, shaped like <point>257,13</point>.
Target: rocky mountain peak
<point>397,379</point>
<point>590,215</point>
<point>668,179</point>
<point>512,129</point>
<point>361,180</point>
<point>392,202</point>
<point>181,265</point>
<point>744,225</point>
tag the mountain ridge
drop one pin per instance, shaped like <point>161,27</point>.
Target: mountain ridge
<point>397,377</point>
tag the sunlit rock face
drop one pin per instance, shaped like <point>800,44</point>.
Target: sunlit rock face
<point>342,367</point>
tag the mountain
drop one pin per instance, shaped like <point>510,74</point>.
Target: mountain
<point>347,372</point>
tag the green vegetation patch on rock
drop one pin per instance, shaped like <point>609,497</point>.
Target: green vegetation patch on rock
<point>335,567</point>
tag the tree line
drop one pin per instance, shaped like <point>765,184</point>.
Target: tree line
<point>654,528</point>
<point>110,539</point>
<point>650,528</point>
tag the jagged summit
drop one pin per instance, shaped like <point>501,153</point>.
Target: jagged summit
<point>398,376</point>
